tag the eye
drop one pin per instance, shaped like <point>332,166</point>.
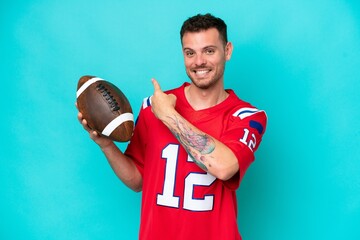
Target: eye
<point>210,51</point>
<point>189,53</point>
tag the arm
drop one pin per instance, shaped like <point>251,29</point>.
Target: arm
<point>207,152</point>
<point>122,165</point>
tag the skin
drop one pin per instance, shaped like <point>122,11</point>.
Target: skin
<point>205,55</point>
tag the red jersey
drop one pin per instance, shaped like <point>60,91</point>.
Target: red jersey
<point>179,199</point>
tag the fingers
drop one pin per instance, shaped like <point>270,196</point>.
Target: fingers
<point>80,116</point>
<point>81,119</point>
<point>172,97</point>
<point>83,122</point>
<point>93,134</point>
<point>156,85</point>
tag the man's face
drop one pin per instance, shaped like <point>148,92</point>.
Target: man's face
<point>205,57</point>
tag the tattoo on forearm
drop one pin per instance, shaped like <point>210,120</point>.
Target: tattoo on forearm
<point>198,145</point>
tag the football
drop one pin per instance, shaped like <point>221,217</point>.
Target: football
<point>105,108</point>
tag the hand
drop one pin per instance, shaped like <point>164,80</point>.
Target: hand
<point>95,136</point>
<point>162,104</point>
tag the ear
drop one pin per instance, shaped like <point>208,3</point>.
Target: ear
<point>228,50</point>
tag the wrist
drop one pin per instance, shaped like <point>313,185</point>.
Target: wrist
<point>169,117</point>
<point>107,146</point>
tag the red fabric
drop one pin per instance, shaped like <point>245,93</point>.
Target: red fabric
<point>181,201</point>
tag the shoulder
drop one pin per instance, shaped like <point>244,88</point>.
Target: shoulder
<point>242,111</point>
<point>241,108</point>
<point>146,102</point>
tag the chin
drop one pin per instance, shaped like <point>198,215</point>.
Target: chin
<point>203,84</point>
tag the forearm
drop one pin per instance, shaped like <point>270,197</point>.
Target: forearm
<point>123,167</point>
<point>207,152</point>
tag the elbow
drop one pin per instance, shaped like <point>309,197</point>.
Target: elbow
<point>137,189</point>
<point>134,184</point>
<point>225,165</point>
<point>226,173</point>
<point>224,176</point>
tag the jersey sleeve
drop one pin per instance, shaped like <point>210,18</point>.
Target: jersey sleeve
<point>136,148</point>
<point>243,136</point>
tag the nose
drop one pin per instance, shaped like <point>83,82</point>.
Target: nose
<point>200,60</point>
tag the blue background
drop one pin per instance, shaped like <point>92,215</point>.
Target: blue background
<point>298,60</point>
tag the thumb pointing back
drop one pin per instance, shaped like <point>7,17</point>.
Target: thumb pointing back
<point>156,85</point>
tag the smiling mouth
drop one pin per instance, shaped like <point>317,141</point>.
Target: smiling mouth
<point>201,72</point>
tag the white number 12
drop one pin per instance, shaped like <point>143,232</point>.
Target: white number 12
<point>167,198</point>
<point>251,143</point>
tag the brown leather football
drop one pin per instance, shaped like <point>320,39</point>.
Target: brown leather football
<point>105,108</point>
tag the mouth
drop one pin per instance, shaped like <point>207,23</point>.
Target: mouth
<point>201,72</point>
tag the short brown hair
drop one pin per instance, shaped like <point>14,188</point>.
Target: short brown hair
<point>201,22</point>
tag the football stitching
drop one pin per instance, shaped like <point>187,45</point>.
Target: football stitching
<point>108,97</point>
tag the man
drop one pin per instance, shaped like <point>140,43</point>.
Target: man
<point>191,145</point>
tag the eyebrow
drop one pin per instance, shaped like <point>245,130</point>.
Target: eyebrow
<point>210,46</point>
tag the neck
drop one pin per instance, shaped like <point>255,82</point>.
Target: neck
<point>204,98</point>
